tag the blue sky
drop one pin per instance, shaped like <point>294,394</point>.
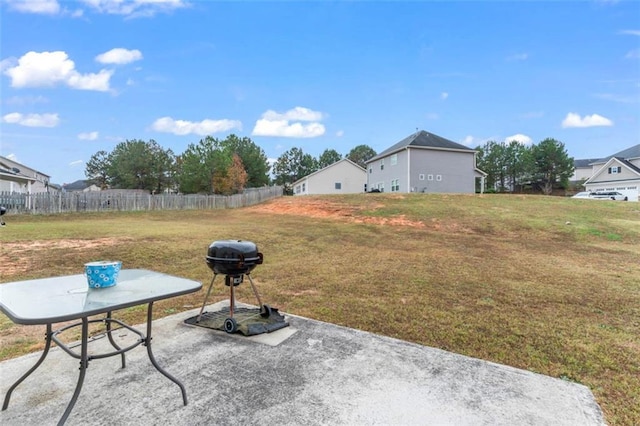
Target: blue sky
<point>78,77</point>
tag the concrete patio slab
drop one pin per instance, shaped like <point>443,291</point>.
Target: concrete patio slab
<point>310,373</point>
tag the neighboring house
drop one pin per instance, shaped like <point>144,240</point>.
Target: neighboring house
<point>80,186</point>
<point>618,172</point>
<point>18,178</point>
<point>583,170</point>
<point>424,162</point>
<point>341,177</point>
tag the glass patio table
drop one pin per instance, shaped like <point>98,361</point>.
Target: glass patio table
<point>62,299</point>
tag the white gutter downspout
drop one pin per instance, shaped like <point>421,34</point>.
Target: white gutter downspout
<point>408,169</point>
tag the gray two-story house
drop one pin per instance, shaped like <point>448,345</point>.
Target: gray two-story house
<point>424,162</point>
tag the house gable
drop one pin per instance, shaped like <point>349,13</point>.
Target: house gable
<point>422,139</point>
<point>342,177</point>
<point>615,170</point>
<point>424,162</point>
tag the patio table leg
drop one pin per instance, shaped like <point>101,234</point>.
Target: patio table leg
<point>113,342</point>
<point>31,370</point>
<point>147,343</point>
<point>84,363</point>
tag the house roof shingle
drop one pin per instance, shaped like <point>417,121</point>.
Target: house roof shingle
<point>632,152</point>
<point>584,162</point>
<point>423,139</point>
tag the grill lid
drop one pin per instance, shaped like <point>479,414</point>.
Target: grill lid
<point>233,257</point>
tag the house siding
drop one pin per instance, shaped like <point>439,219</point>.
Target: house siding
<point>451,171</point>
<point>444,171</point>
<point>627,181</point>
<point>28,180</point>
<point>351,177</point>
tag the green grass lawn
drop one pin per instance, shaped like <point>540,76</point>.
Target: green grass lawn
<point>548,284</point>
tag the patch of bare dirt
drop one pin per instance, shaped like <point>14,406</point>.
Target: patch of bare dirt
<point>302,206</point>
<point>21,252</point>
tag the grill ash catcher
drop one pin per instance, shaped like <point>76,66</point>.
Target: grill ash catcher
<point>234,259</point>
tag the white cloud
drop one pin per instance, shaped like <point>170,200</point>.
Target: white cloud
<point>26,100</point>
<point>295,114</point>
<point>202,128</point>
<point>135,8</point>
<point>48,69</point>
<point>468,140</point>
<point>574,120</point>
<point>340,133</point>
<point>32,120</point>
<point>444,95</point>
<point>432,116</point>
<point>119,56</point>
<point>630,32</point>
<point>633,54</point>
<point>518,57</point>
<point>89,136</point>
<point>523,139</point>
<point>50,7</point>
<point>76,163</point>
<point>289,124</point>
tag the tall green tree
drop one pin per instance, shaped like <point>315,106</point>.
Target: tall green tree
<point>328,157</point>
<point>136,164</point>
<point>491,160</point>
<point>256,163</point>
<point>291,166</point>
<point>361,154</point>
<point>552,163</point>
<point>198,163</point>
<point>518,164</point>
<point>97,169</point>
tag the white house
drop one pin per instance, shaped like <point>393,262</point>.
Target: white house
<point>619,172</point>
<point>18,178</point>
<point>341,177</point>
<point>424,162</point>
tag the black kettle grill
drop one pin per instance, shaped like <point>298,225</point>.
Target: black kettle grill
<point>234,259</point>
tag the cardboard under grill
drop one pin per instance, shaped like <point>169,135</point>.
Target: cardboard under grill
<point>249,320</point>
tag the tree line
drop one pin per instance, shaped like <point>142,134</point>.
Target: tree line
<point>211,166</point>
<point>228,166</point>
<point>513,166</point>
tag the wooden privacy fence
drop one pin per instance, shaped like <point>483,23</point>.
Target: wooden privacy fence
<point>129,200</point>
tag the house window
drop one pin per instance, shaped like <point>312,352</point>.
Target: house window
<point>430,177</point>
<point>382,164</point>
<point>421,176</point>
<point>297,189</point>
<point>615,170</point>
<point>338,185</point>
<point>370,169</point>
<point>438,178</point>
<point>395,185</point>
<point>394,159</point>
<point>303,187</point>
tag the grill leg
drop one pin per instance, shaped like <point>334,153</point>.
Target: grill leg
<point>255,291</point>
<point>204,302</point>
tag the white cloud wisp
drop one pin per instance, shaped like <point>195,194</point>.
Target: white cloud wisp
<point>202,128</point>
<point>574,120</point>
<point>119,56</point>
<point>32,120</point>
<point>290,124</point>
